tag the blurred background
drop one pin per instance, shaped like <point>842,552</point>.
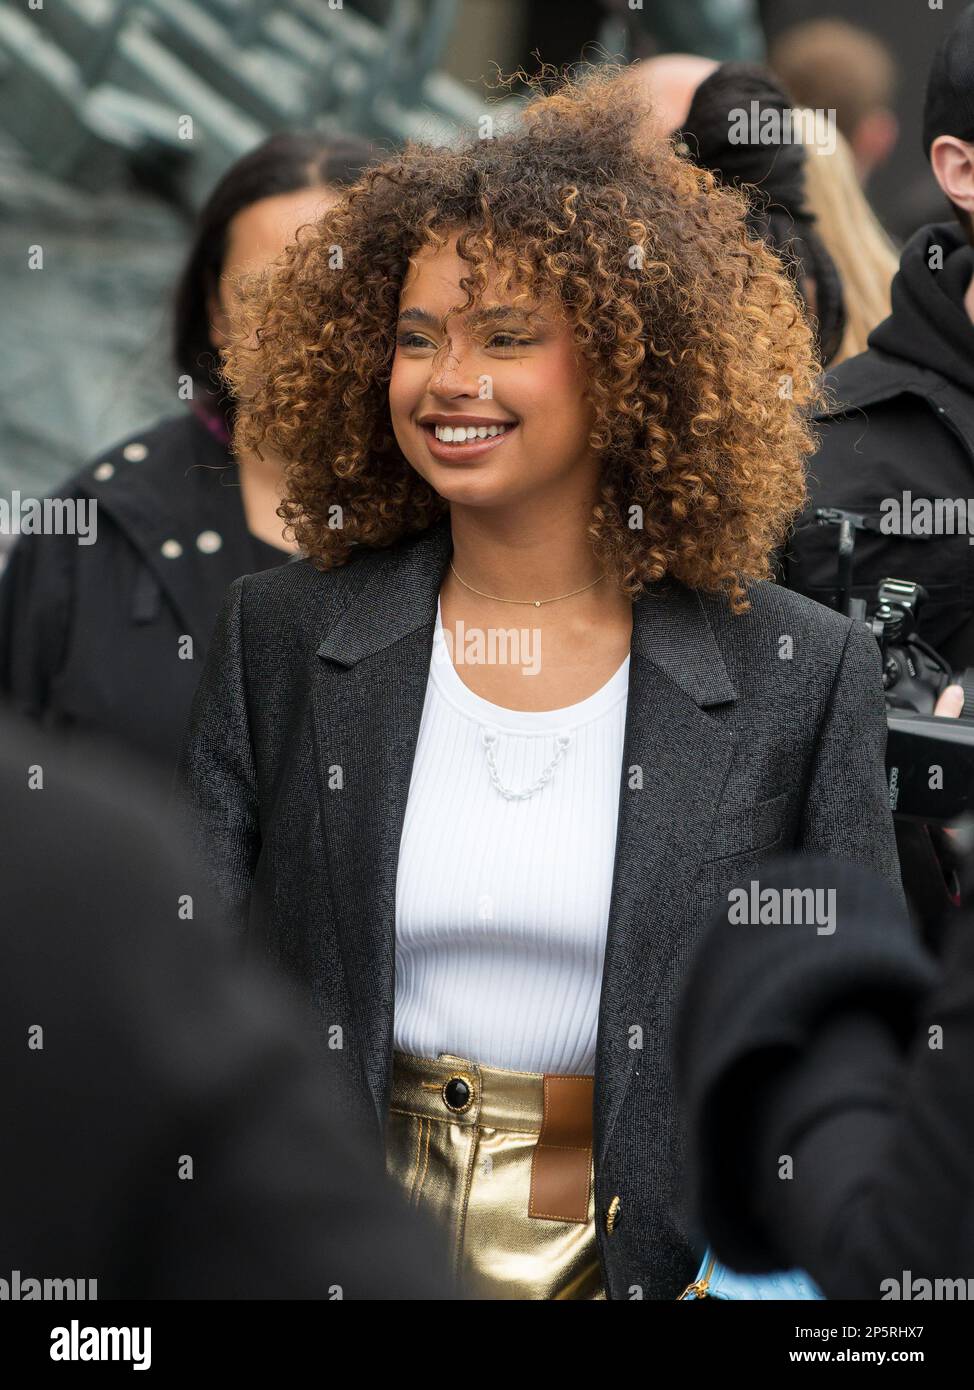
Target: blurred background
<point>117,117</point>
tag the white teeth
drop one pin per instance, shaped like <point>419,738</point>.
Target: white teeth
<point>462,434</point>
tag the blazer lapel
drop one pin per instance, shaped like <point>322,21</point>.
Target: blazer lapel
<point>676,761</point>
<point>367,707</point>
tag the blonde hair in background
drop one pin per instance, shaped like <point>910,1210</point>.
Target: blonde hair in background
<point>864,255</point>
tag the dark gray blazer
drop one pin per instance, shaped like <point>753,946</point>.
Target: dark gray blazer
<point>754,734</point>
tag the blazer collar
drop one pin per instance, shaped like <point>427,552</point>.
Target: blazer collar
<point>670,626</point>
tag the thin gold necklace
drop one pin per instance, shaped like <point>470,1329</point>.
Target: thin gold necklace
<point>531,602</point>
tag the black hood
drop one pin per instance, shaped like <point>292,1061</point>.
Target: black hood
<point>929,325</point>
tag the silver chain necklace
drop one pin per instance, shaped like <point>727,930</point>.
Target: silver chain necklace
<point>489,739</point>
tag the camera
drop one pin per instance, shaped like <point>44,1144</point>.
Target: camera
<point>929,761</point>
<point>914,675</point>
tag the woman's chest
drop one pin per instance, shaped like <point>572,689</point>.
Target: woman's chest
<point>503,829</point>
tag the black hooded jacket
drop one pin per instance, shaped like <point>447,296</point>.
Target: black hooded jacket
<point>902,421</point>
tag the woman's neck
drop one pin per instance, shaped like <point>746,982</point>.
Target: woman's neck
<point>522,555</point>
<point>261,487</point>
<point>577,644</point>
<point>528,558</point>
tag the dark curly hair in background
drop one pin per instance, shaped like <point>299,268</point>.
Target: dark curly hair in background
<point>699,361</point>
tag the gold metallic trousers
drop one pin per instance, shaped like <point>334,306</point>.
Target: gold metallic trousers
<point>501,1159</point>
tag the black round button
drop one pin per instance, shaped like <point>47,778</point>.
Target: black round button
<point>457,1093</point>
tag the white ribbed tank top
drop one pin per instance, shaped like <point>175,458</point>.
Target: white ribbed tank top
<point>502,905</point>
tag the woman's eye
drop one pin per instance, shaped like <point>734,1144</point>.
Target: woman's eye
<point>413,340</point>
<point>508,340</point>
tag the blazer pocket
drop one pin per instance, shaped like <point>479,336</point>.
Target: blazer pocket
<point>747,829</point>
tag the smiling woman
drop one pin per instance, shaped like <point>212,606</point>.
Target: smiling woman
<point>690,342</point>
<point>547,371</point>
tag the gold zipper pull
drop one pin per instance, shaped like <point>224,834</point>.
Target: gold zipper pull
<point>699,1288</point>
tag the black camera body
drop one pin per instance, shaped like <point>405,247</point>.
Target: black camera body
<point>929,760</point>
<point>914,675</point>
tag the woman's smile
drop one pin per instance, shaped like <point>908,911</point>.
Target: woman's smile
<point>459,438</point>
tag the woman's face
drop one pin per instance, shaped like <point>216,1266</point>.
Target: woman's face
<point>256,237</point>
<point>489,368</point>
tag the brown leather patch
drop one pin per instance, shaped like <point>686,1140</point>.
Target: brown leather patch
<point>561,1166</point>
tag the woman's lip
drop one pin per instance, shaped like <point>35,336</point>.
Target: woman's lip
<point>469,449</point>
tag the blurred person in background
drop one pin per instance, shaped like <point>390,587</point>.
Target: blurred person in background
<point>898,435</point>
<point>109,638</point>
<point>901,419</point>
<point>773,177</point>
<point>169,1129</point>
<point>861,251</point>
<point>669,83</point>
<point>849,1053</point>
<point>831,65</point>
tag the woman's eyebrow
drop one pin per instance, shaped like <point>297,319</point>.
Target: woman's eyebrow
<point>477,316</point>
<point>503,312</point>
<point>422,316</point>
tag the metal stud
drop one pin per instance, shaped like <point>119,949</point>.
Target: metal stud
<point>171,549</point>
<point>135,453</point>
<point>104,471</point>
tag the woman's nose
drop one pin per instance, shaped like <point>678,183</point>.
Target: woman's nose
<point>454,373</point>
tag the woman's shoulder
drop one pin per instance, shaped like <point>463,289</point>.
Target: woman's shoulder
<point>302,595</point>
<point>149,458</point>
<point>775,610</point>
<point>305,581</point>
<point>129,486</point>
<point>792,662</point>
<point>787,640</point>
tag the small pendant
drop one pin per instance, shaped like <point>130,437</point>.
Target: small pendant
<point>537,603</point>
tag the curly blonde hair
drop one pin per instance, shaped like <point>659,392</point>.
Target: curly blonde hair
<point>700,365</point>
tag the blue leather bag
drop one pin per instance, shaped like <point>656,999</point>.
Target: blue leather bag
<point>715,1280</point>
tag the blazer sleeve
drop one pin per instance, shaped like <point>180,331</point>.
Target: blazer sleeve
<point>36,599</point>
<point>846,813</point>
<point>215,784</point>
